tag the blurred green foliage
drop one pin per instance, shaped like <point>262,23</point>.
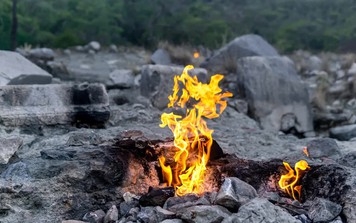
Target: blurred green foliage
<point>288,24</point>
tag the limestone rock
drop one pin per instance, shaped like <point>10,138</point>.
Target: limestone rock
<point>261,210</point>
<point>343,133</point>
<point>323,210</point>
<point>112,215</point>
<point>121,79</point>
<point>15,69</point>
<point>203,213</point>
<point>244,46</point>
<point>162,57</point>
<point>323,148</point>
<point>234,192</point>
<point>54,104</point>
<point>8,148</point>
<point>273,89</point>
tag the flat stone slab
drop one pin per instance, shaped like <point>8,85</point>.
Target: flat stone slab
<point>54,104</point>
<point>16,69</point>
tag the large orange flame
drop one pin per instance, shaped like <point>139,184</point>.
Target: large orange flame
<point>192,138</point>
<point>289,181</point>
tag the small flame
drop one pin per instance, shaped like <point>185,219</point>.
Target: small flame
<point>289,181</point>
<point>305,151</point>
<point>192,138</point>
<point>196,55</point>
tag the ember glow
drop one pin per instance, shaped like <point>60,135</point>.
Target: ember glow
<point>290,181</point>
<point>192,138</point>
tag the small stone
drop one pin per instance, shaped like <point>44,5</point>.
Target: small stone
<point>287,122</point>
<point>177,203</point>
<point>8,148</point>
<point>163,214</point>
<point>113,48</point>
<point>112,215</point>
<point>157,196</point>
<point>203,213</point>
<point>322,210</point>
<point>147,215</point>
<point>128,197</point>
<point>323,148</point>
<point>126,207</point>
<point>95,216</point>
<point>234,192</point>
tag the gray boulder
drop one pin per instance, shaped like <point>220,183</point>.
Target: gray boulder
<point>261,210</point>
<point>323,148</point>
<point>94,45</point>
<point>273,90</point>
<point>54,104</point>
<point>16,69</point>
<point>234,192</point>
<point>157,82</point>
<point>121,79</point>
<point>224,61</point>
<point>162,57</point>
<point>343,133</point>
<point>41,54</point>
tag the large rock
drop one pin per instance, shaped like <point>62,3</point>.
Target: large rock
<point>54,104</point>
<point>322,210</point>
<point>16,69</point>
<point>157,82</point>
<point>273,90</point>
<point>261,210</point>
<point>224,61</point>
<point>162,57</point>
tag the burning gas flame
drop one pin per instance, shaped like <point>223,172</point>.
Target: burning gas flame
<point>196,55</point>
<point>289,181</point>
<point>192,138</point>
<point>305,151</point>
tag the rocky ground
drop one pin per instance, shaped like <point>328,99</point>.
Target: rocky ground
<point>75,151</point>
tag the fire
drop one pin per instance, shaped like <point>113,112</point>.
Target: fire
<point>192,137</point>
<point>305,151</point>
<point>289,181</point>
<point>196,55</point>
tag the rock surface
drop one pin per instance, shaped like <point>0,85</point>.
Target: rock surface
<point>261,210</point>
<point>224,61</point>
<point>8,148</point>
<point>346,132</point>
<point>203,213</point>
<point>323,210</point>
<point>161,57</point>
<point>273,89</point>
<point>54,104</point>
<point>234,192</point>
<point>15,70</point>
